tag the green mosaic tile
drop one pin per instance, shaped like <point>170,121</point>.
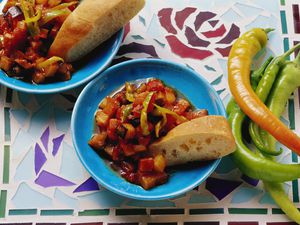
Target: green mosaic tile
<point>22,212</point>
<point>166,211</point>
<point>6,124</point>
<point>6,160</point>
<point>206,211</point>
<point>123,212</point>
<point>286,45</point>
<point>277,211</point>
<point>3,197</point>
<point>295,191</point>
<point>282,2</point>
<point>94,212</point>
<point>9,95</point>
<point>283,22</point>
<point>248,211</point>
<point>58,212</point>
<point>291,112</point>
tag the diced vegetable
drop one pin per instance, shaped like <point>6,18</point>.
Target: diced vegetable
<point>101,118</point>
<point>146,164</point>
<point>98,140</point>
<point>159,163</point>
<point>130,131</point>
<point>111,106</point>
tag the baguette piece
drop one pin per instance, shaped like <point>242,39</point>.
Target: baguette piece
<point>90,24</point>
<point>204,138</point>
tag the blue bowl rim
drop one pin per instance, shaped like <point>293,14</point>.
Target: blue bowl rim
<point>124,193</point>
<point>119,37</point>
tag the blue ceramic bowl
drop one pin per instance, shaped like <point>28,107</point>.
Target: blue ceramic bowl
<point>189,83</point>
<point>85,69</point>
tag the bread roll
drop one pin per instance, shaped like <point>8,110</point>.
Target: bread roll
<point>90,24</point>
<point>200,139</point>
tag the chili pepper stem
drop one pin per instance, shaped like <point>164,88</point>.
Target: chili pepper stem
<point>268,30</point>
<point>291,50</point>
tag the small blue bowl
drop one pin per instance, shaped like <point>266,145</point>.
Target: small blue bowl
<point>189,83</point>
<point>86,69</point>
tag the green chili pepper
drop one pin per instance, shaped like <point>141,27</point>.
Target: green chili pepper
<point>144,116</point>
<point>285,85</point>
<point>262,91</point>
<point>277,192</point>
<point>129,92</point>
<point>252,165</point>
<point>256,75</point>
<point>126,112</point>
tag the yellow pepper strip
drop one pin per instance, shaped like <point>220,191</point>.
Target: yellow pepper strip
<point>160,124</point>
<point>49,61</point>
<point>174,114</point>
<point>35,18</point>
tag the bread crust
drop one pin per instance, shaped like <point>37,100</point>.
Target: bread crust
<point>90,24</point>
<point>204,138</point>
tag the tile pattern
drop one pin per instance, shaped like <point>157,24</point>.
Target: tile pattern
<point>41,178</point>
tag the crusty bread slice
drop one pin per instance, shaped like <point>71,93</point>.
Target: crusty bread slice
<point>200,139</point>
<point>90,24</point>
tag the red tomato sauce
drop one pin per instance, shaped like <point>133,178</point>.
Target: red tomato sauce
<point>132,119</point>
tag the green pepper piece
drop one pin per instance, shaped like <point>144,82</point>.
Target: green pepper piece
<point>126,112</point>
<point>252,165</point>
<point>262,91</point>
<point>129,92</point>
<point>144,116</point>
<point>257,74</point>
<point>285,85</point>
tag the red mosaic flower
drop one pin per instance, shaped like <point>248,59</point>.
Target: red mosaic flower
<point>199,43</point>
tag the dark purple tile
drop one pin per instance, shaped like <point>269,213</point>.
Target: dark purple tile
<point>243,223</point>
<point>39,158</point>
<point>296,16</point>
<point>201,223</point>
<point>45,138</point>
<point>221,188</point>
<point>99,223</point>
<point>88,185</point>
<point>193,38</point>
<point>47,179</point>
<point>56,144</point>
<point>202,17</point>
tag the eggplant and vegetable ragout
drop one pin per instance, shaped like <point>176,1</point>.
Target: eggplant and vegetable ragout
<point>27,29</point>
<point>132,119</point>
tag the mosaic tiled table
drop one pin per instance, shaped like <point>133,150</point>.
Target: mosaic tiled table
<point>42,180</point>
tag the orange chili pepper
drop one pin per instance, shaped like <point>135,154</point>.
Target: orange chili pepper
<point>239,65</point>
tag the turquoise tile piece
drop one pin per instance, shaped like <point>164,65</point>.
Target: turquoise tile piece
<point>23,141</point>
<point>40,120</point>
<point>71,168</point>
<point>25,169</point>
<point>65,199</point>
<point>20,115</point>
<point>153,204</point>
<point>62,119</point>
<point>248,10</point>
<point>245,194</point>
<point>231,16</point>
<point>201,198</point>
<point>103,198</point>
<point>26,198</point>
